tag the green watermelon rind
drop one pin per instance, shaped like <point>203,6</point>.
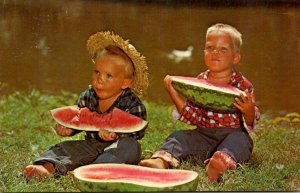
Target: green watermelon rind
<point>131,186</point>
<point>88,186</point>
<point>211,99</point>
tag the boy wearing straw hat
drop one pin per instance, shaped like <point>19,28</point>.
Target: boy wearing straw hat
<point>119,76</point>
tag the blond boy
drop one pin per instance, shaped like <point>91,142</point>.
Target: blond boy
<point>220,139</point>
<point>120,74</point>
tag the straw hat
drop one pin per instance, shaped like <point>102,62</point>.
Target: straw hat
<point>101,40</point>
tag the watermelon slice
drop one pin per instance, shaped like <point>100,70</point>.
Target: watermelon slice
<point>117,121</point>
<point>208,94</point>
<point>123,177</point>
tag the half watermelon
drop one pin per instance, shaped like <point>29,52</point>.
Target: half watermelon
<point>117,121</point>
<point>208,94</point>
<point>123,177</point>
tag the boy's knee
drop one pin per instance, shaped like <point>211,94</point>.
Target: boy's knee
<point>128,151</point>
<point>127,140</point>
<point>238,145</point>
<point>179,135</point>
<point>242,138</point>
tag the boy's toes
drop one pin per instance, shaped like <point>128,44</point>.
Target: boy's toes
<point>144,163</point>
<point>28,171</point>
<point>37,171</point>
<point>218,164</point>
<point>153,163</point>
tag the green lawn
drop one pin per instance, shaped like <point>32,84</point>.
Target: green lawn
<point>26,131</point>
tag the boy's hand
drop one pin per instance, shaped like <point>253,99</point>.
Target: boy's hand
<point>176,98</point>
<point>247,106</point>
<point>168,84</point>
<point>63,131</point>
<point>107,136</point>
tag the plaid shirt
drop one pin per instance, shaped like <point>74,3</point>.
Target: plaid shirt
<point>127,102</point>
<point>196,115</point>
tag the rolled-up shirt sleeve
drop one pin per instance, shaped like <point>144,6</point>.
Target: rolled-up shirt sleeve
<point>255,121</point>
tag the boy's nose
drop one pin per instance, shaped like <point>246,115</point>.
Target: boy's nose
<point>215,51</point>
<point>99,79</point>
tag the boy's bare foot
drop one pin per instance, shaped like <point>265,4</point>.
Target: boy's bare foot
<point>38,171</point>
<point>218,164</point>
<point>154,163</point>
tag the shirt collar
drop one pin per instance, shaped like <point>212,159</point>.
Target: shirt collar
<point>114,103</point>
<point>234,75</point>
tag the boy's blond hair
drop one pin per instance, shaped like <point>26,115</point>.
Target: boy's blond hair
<point>235,35</point>
<point>114,50</point>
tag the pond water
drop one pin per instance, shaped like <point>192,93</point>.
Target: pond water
<point>43,44</point>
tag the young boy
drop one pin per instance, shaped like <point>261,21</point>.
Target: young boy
<point>120,70</point>
<point>221,137</point>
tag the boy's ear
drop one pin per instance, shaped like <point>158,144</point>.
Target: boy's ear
<point>126,83</point>
<point>236,58</point>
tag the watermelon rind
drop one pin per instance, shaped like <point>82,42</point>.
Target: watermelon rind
<point>209,96</point>
<point>125,185</point>
<point>133,128</point>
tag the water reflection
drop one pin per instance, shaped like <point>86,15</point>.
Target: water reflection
<point>43,44</point>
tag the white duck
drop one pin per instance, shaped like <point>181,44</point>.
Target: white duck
<point>180,55</point>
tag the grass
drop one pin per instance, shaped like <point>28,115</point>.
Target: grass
<point>26,131</point>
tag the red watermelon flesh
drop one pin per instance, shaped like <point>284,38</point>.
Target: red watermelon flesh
<point>104,174</point>
<point>209,84</point>
<point>134,174</point>
<point>83,119</point>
